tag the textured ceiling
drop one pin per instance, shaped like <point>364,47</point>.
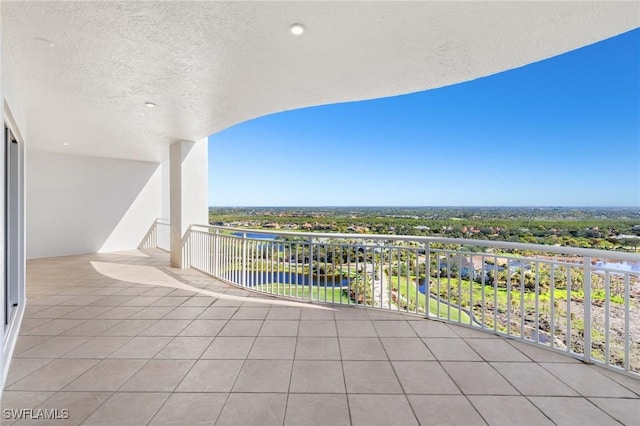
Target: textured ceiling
<point>210,65</point>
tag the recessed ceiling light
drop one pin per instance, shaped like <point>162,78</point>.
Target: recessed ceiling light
<point>149,104</point>
<point>45,41</point>
<point>65,144</point>
<point>297,29</point>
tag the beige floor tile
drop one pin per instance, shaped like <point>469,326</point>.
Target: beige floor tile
<point>140,300</point>
<point>317,377</point>
<point>20,400</point>
<point>98,347</point>
<point>185,348</point>
<point>128,328</point>
<point>365,348</point>
<point>211,376</point>
<point>633,384</point>
<point>370,377</point>
<point>87,312</point>
<point>238,328</point>
<point>152,312</point>
<point>317,328</point>
<point>184,312</point>
<point>158,375</point>
<point>141,347</point>
<point>21,368</point>
<point>273,348</point>
<point>478,378</point>
<point>406,349</point>
<point>158,291</point>
<point>284,313</point>
<point>264,376</point>
<point>127,409</point>
<point>509,411</point>
<point>445,410</point>
<point>282,328</point>
<point>79,406</point>
<point>54,347</point>
<point>200,301</point>
<point>496,350</point>
<point>351,328</point>
<point>317,314</point>
<point>317,410</point>
<point>317,348</point>
<point>54,375</point>
<point>626,411</point>
<point>265,409</point>
<point>54,312</point>
<point>166,327</point>
<point>135,291</point>
<point>31,323</point>
<point>204,328</point>
<point>25,343</point>
<point>568,411</point>
<point>218,312</point>
<point>424,377</point>
<point>107,375</point>
<point>587,382</point>
<point>531,379</point>
<point>540,354</point>
<point>190,408</point>
<point>172,300</point>
<point>229,348</point>
<point>355,313</point>
<point>468,332</point>
<point>381,410</point>
<point>53,327</point>
<point>431,328</point>
<point>113,300</point>
<point>91,328</point>
<point>81,300</point>
<point>228,303</point>
<point>394,329</point>
<point>451,349</point>
<point>119,312</point>
<point>251,313</point>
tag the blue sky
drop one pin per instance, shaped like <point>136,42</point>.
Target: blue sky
<point>559,132</point>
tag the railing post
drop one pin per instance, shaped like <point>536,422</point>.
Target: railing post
<point>586,283</point>
<point>244,260</point>
<point>215,254</point>
<point>186,249</point>
<point>427,280</point>
<point>310,283</point>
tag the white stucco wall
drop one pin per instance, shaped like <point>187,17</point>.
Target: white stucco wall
<point>78,204</point>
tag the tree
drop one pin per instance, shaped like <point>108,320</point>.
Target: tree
<point>360,289</point>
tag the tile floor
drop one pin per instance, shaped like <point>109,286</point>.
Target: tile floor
<point>123,339</point>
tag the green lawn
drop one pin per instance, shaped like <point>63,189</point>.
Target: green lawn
<point>409,293</point>
<point>328,294</point>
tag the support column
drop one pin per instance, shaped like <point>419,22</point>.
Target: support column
<point>188,193</point>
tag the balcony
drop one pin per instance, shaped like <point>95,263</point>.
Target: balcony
<point>123,338</point>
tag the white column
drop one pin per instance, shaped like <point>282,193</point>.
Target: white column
<point>188,192</point>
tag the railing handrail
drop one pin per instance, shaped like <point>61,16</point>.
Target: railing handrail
<point>563,250</point>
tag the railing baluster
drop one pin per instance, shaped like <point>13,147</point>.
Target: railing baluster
<point>310,283</point>
<point>586,306</point>
<point>607,313</point>
<point>627,324</point>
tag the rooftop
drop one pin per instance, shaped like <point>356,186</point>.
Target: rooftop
<point>122,338</point>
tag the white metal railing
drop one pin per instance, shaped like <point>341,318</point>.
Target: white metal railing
<point>157,236</point>
<point>563,298</point>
